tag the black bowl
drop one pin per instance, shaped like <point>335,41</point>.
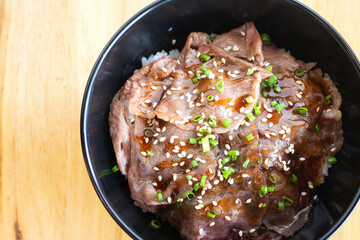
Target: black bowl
<point>291,25</point>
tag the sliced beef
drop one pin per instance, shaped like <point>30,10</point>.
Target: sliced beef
<point>228,184</point>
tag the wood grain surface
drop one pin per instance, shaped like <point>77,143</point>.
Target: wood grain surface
<point>47,50</point>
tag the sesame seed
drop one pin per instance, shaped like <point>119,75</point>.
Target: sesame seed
<point>271,124</point>
<point>264,120</point>
<point>216,182</point>
<point>328,110</point>
<point>198,208</point>
<point>248,201</point>
<point>333,149</point>
<point>269,115</point>
<point>187,171</point>
<point>146,140</point>
<point>227,146</point>
<point>154,104</point>
<point>212,224</point>
<point>237,201</point>
<point>169,199</point>
<point>175,164</point>
<point>231,137</point>
<point>244,175</point>
<point>317,109</point>
<point>260,205</point>
<point>159,177</point>
<point>143,153</point>
<point>231,181</point>
<point>132,120</point>
<point>203,192</point>
<point>227,218</point>
<point>298,82</point>
<point>298,95</point>
<point>267,135</point>
<point>302,159</point>
<point>153,87</point>
<point>162,139</point>
<point>189,156</point>
<point>282,131</point>
<point>235,48</point>
<point>273,133</point>
<point>142,84</point>
<point>252,230</point>
<point>290,103</point>
<point>214,203</point>
<point>303,193</point>
<point>223,60</point>
<point>174,176</point>
<point>214,63</point>
<point>156,169</point>
<point>182,163</point>
<point>241,232</point>
<point>147,101</point>
<point>310,185</point>
<point>221,70</point>
<point>173,42</point>
<point>167,155</point>
<point>190,182</point>
<point>154,184</point>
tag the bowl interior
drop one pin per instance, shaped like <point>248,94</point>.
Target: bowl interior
<point>291,26</point>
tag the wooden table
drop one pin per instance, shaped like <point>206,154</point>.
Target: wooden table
<point>47,49</point>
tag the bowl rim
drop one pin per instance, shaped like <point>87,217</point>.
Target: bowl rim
<point>101,59</point>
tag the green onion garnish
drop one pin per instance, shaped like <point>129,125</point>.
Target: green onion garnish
<point>179,202</point>
<point>251,117</point>
<point>226,122</point>
<point>273,179</point>
<point>274,103</point>
<point>205,144</point>
<point>211,122</point>
<point>263,190</point>
<point>196,187</point>
<point>159,196</point>
<point>197,118</point>
<point>211,215</point>
<point>250,71</point>
<point>263,83</point>
<point>213,142</point>
<point>302,110</point>
<point>212,38</point>
<point>249,99</point>
<point>234,154</point>
<point>155,224</point>
<point>227,172</point>
<point>269,68</point>
<point>149,133</point>
<point>259,161</point>
<point>257,107</point>
<point>293,178</point>
<point>190,195</point>
<point>265,38</point>
<point>188,177</point>
<point>287,201</point>
<point>281,206</point>
<point>328,98</point>
<point>203,180</point>
<point>264,93</point>
<point>331,160</point>
<point>203,68</point>
<point>245,164</point>
<point>210,98</point>
<point>250,137</point>
<point>195,80</point>
<point>205,57</point>
<point>272,81</point>
<point>271,189</point>
<point>198,75</point>
<point>192,141</point>
<point>220,86</point>
<point>115,168</point>
<point>277,89</point>
<point>280,107</point>
<point>317,127</point>
<point>205,132</point>
<point>194,163</point>
<point>299,72</point>
<point>225,160</point>
<point>150,154</point>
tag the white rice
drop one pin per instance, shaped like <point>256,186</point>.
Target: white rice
<point>174,53</point>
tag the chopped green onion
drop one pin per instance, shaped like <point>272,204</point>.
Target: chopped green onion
<point>196,187</point>
<point>328,98</point>
<point>251,117</point>
<point>263,83</point>
<point>205,132</point>
<point>250,137</point>
<point>287,201</point>
<point>273,179</point>
<point>259,160</point>
<point>149,133</point>
<point>281,206</point>
<point>197,118</point>
<point>211,122</point>
<point>293,178</point>
<point>210,98</point>
<point>260,194</point>
<point>264,205</point>
<point>332,160</point>
<point>190,195</point>
<point>115,168</point>
<point>269,68</point>
<point>212,38</point>
<point>192,141</point>
<point>317,127</point>
<point>302,110</point>
<point>263,190</point>
<point>299,72</point>
<point>205,57</point>
<point>226,122</point>
<point>265,38</point>
<point>249,99</point>
<point>264,93</point>
<point>198,75</point>
<point>234,154</point>
<point>257,107</point>
<point>155,224</point>
<point>280,107</point>
<point>194,163</point>
<point>213,142</point>
<point>205,144</point>
<point>245,164</point>
<point>271,189</point>
<point>150,154</point>
<point>203,180</point>
<point>272,81</point>
<point>203,68</point>
<point>277,89</point>
<point>179,202</point>
<point>159,196</point>
<point>211,215</point>
<point>274,103</point>
<point>227,172</point>
<point>225,160</point>
<point>188,177</point>
<point>250,71</point>
<point>195,80</point>
<point>220,86</point>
